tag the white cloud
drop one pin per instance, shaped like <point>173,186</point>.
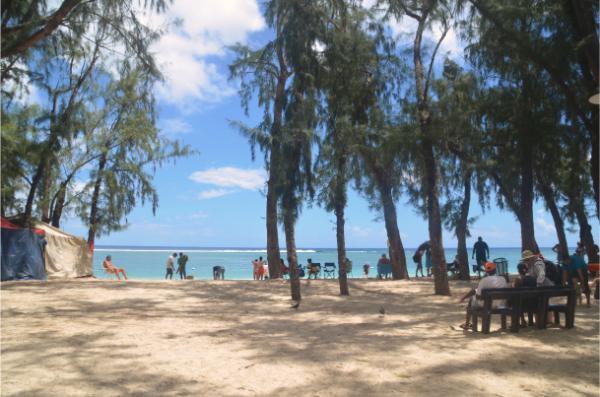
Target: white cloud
<point>406,27</point>
<point>199,215</point>
<point>174,126</point>
<point>204,29</point>
<point>214,193</point>
<point>249,179</point>
<point>362,232</point>
<point>546,228</point>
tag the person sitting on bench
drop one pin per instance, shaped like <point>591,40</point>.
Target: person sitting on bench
<point>110,268</point>
<point>490,281</point>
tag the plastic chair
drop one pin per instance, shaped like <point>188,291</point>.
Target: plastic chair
<point>329,270</point>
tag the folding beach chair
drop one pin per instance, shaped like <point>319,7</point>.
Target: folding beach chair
<point>329,270</point>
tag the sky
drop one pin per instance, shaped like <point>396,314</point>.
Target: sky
<point>216,198</point>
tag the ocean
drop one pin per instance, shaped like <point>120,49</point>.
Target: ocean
<point>148,263</point>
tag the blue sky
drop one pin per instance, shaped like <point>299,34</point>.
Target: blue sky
<point>215,199</point>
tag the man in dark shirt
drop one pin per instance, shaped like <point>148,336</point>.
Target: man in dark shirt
<point>481,252</point>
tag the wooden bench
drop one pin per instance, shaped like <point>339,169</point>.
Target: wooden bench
<point>514,298</point>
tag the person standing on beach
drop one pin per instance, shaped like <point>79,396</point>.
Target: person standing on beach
<point>427,261</point>
<point>170,266</point>
<point>255,269</point>
<point>481,252</point>
<point>181,265</point>
<point>260,268</point>
<point>418,259</point>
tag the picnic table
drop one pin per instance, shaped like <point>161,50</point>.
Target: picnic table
<point>515,297</point>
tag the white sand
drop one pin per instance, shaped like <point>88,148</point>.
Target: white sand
<point>240,338</point>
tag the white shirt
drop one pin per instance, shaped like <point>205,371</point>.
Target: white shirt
<point>492,282</point>
<point>538,271</point>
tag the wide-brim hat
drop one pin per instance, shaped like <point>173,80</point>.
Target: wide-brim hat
<point>527,254</point>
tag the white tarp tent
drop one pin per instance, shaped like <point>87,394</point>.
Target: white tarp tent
<point>66,256</point>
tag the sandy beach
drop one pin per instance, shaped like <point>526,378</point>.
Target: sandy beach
<point>240,338</point>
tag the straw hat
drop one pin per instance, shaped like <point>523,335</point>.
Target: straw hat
<point>527,255</point>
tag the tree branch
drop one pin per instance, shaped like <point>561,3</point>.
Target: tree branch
<point>51,25</point>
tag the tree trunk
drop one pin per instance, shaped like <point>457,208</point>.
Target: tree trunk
<point>397,254</point>
<point>52,23</point>
<point>525,216</point>
<point>273,253</point>
<point>434,220</point>
<point>40,173</point>
<point>45,196</point>
<point>563,250</point>
<point>290,244</point>
<point>93,221</point>
<point>433,206</point>
<point>341,248</point>
<point>461,230</point>
<point>585,232</point>
<point>59,204</point>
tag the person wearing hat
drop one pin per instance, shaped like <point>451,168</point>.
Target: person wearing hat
<point>536,268</point>
<point>490,281</point>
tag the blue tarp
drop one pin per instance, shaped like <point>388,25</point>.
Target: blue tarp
<point>22,255</point>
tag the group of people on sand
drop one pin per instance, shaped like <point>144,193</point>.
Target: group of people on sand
<point>181,262</point>
<point>260,270</point>
<point>534,271</point>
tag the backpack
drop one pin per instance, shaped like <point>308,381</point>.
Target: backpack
<point>553,273</point>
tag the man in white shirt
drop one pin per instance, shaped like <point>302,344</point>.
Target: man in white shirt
<point>490,281</point>
<point>170,266</point>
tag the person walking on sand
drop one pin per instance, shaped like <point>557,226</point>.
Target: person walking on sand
<point>181,265</point>
<point>481,252</point>
<point>110,268</point>
<point>170,266</point>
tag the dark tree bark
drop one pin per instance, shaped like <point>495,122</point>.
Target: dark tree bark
<point>461,230</point>
<point>434,218</point>
<point>273,253</point>
<point>59,205</point>
<point>585,233</point>
<point>341,249</point>
<point>93,221</point>
<point>546,190</point>
<point>434,221</point>
<point>397,254</point>
<point>528,241</point>
<point>51,24</point>
<point>290,244</point>
<point>45,195</point>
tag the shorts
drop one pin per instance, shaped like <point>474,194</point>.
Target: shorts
<point>169,271</point>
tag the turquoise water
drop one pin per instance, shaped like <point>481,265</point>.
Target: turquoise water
<point>148,263</point>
